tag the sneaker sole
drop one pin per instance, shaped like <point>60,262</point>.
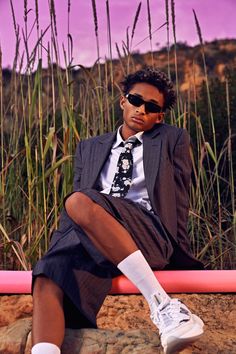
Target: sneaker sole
<point>180,344</point>
<point>176,344</point>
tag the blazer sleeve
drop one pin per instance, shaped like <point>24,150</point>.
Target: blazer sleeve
<point>182,175</point>
<point>65,221</point>
<point>78,165</point>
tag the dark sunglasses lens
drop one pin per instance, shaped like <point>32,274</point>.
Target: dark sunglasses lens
<point>152,107</point>
<point>149,106</point>
<point>135,100</point>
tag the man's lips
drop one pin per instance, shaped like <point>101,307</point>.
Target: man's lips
<point>137,119</point>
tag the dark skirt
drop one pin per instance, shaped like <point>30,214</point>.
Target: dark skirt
<point>82,272</point>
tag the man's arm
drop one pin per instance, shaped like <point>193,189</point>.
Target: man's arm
<point>182,175</point>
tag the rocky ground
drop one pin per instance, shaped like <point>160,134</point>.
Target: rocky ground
<point>124,325</point>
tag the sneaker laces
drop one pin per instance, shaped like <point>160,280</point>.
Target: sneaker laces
<point>168,314</point>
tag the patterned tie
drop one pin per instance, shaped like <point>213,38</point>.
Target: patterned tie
<point>123,177</point>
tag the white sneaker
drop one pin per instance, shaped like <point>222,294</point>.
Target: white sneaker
<point>178,327</point>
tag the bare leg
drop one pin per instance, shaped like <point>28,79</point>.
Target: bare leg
<point>110,238</point>
<point>48,317</point>
<point>106,233</point>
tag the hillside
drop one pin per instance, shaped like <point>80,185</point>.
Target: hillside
<point>219,54</point>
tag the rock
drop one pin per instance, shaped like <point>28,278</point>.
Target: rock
<point>91,341</point>
<point>14,307</point>
<point>13,337</point>
<point>16,339</point>
<point>125,326</point>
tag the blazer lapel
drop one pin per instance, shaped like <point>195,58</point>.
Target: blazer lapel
<point>152,143</point>
<point>99,153</point>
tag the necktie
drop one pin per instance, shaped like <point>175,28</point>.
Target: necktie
<point>123,177</point>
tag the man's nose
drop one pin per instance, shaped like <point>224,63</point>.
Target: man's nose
<point>141,109</point>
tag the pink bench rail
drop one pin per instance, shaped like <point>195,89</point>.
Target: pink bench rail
<point>173,281</point>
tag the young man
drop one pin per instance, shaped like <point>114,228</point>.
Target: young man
<point>128,214</point>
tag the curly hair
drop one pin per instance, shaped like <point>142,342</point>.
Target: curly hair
<point>153,77</point>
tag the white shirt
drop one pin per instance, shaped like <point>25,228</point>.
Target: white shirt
<point>138,191</point>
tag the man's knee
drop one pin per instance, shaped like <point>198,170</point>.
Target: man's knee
<point>80,208</point>
<point>44,286</point>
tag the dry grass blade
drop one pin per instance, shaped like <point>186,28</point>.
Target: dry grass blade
<point>149,20</point>
<point>175,52</point>
<point>13,17</point>
<point>150,30</point>
<point>199,32</point>
<point>135,21</point>
<point>95,18</point>
<point>144,39</point>
<point>16,251</point>
<point>53,15</point>
<point>168,36</point>
<point>37,14</point>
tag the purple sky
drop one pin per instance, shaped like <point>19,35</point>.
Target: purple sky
<point>216,17</point>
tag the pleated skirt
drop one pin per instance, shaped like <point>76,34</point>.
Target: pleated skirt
<point>82,272</point>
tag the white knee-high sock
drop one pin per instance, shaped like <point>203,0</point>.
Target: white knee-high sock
<point>136,269</point>
<point>45,348</point>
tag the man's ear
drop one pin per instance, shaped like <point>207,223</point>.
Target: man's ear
<point>122,101</point>
<point>160,117</point>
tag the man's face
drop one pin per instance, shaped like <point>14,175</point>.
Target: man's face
<point>138,119</point>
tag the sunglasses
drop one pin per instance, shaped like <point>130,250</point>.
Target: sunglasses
<point>138,101</point>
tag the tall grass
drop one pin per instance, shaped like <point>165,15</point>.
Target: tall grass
<point>175,53</point>
<point>213,152</point>
<point>45,112</point>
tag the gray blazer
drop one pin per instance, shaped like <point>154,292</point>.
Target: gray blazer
<point>167,170</point>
